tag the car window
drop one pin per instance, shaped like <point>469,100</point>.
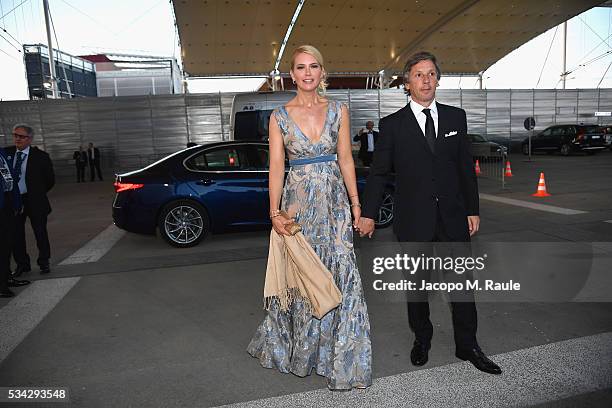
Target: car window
<point>223,158</point>
<point>558,131</point>
<point>591,129</point>
<point>252,125</point>
<point>546,132</point>
<point>476,138</point>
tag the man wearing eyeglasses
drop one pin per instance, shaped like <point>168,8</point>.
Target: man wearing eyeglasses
<point>34,177</point>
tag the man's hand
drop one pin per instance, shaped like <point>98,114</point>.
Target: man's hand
<point>366,227</point>
<point>473,224</point>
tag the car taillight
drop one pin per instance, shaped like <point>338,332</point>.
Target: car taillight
<point>119,187</point>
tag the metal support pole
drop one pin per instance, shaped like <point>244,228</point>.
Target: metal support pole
<point>50,45</point>
<point>564,73</point>
<point>186,115</point>
<point>533,115</point>
<point>221,116</point>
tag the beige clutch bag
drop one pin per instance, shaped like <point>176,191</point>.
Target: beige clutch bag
<point>292,228</point>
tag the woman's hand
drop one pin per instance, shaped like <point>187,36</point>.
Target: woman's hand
<point>279,222</point>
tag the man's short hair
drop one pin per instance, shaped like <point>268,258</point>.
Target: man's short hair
<point>418,57</point>
<point>28,129</point>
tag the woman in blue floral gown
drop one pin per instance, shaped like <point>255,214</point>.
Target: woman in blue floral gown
<point>320,193</point>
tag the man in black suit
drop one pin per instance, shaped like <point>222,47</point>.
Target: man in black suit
<point>35,177</point>
<point>436,196</point>
<point>80,162</point>
<point>368,138</point>
<point>93,157</point>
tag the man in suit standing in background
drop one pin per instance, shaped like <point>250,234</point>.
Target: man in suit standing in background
<point>436,197</point>
<point>93,157</point>
<point>34,177</point>
<point>368,138</point>
<point>80,162</point>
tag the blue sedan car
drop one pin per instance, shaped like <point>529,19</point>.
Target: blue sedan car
<point>204,189</point>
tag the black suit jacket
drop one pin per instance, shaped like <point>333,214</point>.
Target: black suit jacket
<point>363,139</point>
<point>424,181</point>
<point>96,158</point>
<point>40,178</point>
<point>80,158</point>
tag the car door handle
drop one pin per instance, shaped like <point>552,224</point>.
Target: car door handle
<point>205,182</point>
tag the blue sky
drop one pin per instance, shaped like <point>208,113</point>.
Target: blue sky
<point>147,27</point>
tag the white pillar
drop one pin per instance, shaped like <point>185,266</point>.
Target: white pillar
<point>54,90</point>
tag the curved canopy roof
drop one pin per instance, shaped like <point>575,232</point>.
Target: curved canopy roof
<point>243,37</point>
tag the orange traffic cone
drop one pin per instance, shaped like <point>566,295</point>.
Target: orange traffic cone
<point>508,169</point>
<point>541,192</point>
<point>477,168</point>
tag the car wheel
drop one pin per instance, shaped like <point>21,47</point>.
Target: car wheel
<point>526,149</point>
<point>385,212</point>
<point>183,223</point>
<point>566,149</point>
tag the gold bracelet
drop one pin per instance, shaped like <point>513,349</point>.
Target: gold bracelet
<point>274,213</point>
<point>356,205</point>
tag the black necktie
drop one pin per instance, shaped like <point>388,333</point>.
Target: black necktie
<point>430,130</point>
<point>17,167</point>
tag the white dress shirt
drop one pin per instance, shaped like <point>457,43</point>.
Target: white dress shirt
<point>22,178</point>
<point>417,109</point>
<point>370,141</point>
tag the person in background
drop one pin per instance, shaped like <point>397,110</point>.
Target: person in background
<point>368,138</point>
<point>93,157</point>
<point>80,162</point>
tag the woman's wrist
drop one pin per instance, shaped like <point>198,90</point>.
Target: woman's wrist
<point>275,213</point>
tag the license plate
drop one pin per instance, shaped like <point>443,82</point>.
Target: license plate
<point>595,137</point>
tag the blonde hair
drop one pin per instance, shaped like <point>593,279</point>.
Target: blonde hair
<point>316,54</point>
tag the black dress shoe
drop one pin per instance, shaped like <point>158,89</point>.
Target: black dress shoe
<point>14,283</point>
<point>479,359</point>
<point>419,354</point>
<point>21,269</point>
<point>44,269</point>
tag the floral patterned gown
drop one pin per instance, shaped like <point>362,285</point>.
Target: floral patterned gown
<point>337,346</point>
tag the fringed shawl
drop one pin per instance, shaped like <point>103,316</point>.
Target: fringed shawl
<point>294,270</point>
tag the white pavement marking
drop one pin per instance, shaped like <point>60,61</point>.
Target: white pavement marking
<point>23,313</point>
<point>96,248</point>
<point>609,221</point>
<point>529,204</point>
<point>531,376</point>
